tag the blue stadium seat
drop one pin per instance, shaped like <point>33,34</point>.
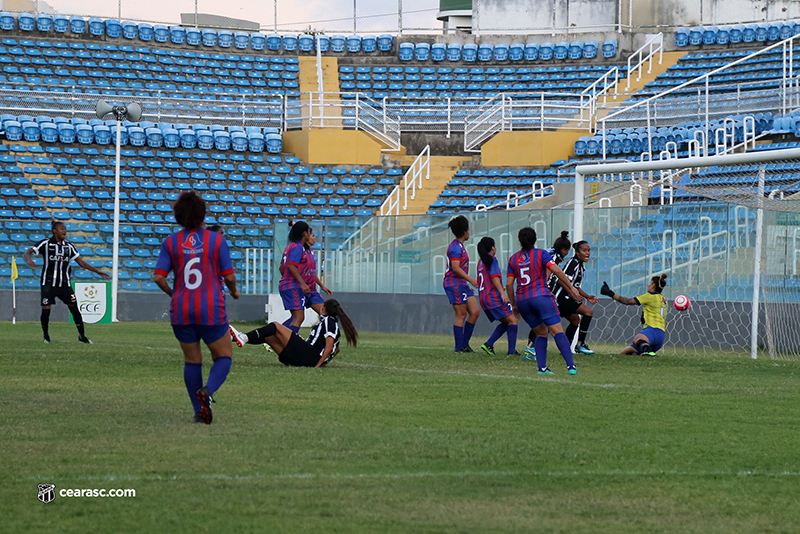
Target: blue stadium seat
<point>44,22</point>
<point>406,51</point>
<point>385,42</point>
<point>546,51</point>
<point>26,22</point>
<point>177,34</point>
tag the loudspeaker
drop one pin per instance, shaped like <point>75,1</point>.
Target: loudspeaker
<point>103,109</point>
<point>133,111</point>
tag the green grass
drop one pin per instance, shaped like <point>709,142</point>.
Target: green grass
<point>400,435</point>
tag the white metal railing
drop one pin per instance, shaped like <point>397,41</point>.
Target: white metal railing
<point>669,258</point>
<point>349,110</point>
<point>485,122</point>
<point>654,45</point>
<point>673,105</point>
<point>413,180</point>
<point>257,271</point>
<point>538,190</point>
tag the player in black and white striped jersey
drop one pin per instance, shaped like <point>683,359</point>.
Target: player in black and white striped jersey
<point>320,347</point>
<point>577,313</point>
<point>57,253</point>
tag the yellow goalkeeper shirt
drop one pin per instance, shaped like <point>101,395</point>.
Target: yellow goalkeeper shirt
<point>654,310</point>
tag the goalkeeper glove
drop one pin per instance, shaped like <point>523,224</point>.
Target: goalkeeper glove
<point>605,290</point>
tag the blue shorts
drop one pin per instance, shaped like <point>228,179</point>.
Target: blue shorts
<point>655,336</point>
<point>293,299</point>
<point>313,298</point>
<point>538,310</point>
<point>460,294</point>
<point>498,313</point>
<point>192,333</point>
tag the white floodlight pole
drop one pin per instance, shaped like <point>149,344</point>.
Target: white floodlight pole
<point>115,256</point>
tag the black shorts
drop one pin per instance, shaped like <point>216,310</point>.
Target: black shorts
<point>64,294</point>
<point>567,307</point>
<point>298,353</point>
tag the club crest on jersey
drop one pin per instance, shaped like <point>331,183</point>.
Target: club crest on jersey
<point>192,245</point>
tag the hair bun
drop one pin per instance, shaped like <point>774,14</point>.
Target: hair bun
<point>663,280</point>
<point>564,234</point>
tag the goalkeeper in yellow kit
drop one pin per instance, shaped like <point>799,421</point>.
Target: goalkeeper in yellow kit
<point>654,311</point>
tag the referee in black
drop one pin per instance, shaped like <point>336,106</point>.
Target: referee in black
<point>58,252</point>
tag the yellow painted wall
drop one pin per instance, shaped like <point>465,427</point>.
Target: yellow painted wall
<point>331,146</point>
<point>529,148</point>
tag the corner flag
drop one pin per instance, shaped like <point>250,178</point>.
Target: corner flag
<point>14,273</point>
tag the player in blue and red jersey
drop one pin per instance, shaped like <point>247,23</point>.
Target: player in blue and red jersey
<point>530,267</point>
<point>493,298</point>
<point>308,271</point>
<point>293,288</point>
<point>456,285</point>
<point>200,260</point>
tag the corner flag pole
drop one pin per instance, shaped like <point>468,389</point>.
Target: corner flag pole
<point>14,276</point>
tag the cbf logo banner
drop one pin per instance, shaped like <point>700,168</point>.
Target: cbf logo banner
<point>94,301</point>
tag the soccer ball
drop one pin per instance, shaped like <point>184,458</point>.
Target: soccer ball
<point>681,303</point>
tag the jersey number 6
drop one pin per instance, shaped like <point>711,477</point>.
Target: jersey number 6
<point>188,273</point>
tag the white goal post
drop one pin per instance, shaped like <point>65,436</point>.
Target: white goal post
<point>750,194</point>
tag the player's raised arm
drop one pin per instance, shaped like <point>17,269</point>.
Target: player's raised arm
<point>605,290</point>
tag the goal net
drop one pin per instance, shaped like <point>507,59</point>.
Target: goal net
<point>726,231</point>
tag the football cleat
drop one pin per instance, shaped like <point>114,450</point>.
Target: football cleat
<point>515,353</point>
<point>546,371</point>
<point>650,354</point>
<point>488,349</point>
<point>528,354</point>
<point>237,337</point>
<point>467,350</point>
<point>84,339</point>
<point>46,338</point>
<point>572,371</point>
<point>583,348</point>
<point>205,405</point>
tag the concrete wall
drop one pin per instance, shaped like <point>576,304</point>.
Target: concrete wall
<point>330,146</point>
<point>538,17</point>
<point>716,324</point>
<point>525,148</point>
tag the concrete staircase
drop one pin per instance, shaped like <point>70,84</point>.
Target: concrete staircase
<point>442,170</point>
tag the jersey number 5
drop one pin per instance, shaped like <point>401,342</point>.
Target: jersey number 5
<point>524,276</point>
<point>189,272</point>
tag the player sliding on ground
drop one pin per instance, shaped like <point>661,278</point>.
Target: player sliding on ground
<point>320,347</point>
<point>493,298</point>
<point>654,310</point>
<point>532,300</point>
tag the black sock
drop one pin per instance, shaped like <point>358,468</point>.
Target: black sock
<point>532,336</point>
<point>257,336</point>
<point>45,319</point>
<point>643,346</point>
<point>570,332</point>
<point>586,320</point>
<point>78,319</point>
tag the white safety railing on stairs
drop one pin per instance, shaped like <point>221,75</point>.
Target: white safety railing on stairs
<point>654,45</point>
<point>412,181</point>
<point>489,119</point>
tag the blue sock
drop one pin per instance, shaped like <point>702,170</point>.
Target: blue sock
<point>193,378</point>
<point>512,338</point>
<point>468,328</point>
<point>287,322</point>
<point>540,347</point>
<point>458,333</point>
<point>563,345</point>
<point>218,374</point>
<point>295,329</point>
<point>497,334</point>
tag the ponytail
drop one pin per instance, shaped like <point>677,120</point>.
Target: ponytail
<point>334,309</point>
<point>484,247</point>
<point>297,229</point>
<point>527,238</point>
<point>660,282</point>
<point>562,243</point>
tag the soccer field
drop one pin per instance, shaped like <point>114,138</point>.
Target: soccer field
<point>399,435</point>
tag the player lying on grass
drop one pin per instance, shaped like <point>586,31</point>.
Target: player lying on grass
<point>320,347</point>
<point>493,298</point>
<point>530,267</point>
<point>654,311</point>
